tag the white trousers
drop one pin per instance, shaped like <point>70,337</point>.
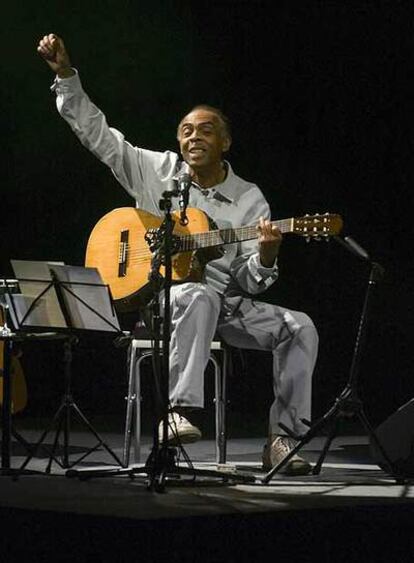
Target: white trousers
<point>197,311</point>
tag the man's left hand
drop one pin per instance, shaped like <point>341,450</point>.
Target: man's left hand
<point>270,239</point>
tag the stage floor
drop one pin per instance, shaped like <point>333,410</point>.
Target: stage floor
<point>351,503</point>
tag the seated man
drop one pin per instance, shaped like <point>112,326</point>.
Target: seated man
<point>225,298</point>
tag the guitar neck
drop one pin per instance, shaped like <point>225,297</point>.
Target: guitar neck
<point>228,236</point>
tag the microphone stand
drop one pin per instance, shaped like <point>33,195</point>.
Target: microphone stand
<point>162,457</point>
<point>348,402</point>
<point>184,182</point>
<point>161,462</point>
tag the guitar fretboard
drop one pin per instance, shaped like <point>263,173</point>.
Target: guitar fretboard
<point>228,236</point>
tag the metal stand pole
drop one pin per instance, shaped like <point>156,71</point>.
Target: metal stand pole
<point>161,463</point>
<point>6,410</point>
<point>348,402</point>
<point>62,422</point>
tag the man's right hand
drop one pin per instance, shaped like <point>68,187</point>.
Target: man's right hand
<point>53,50</point>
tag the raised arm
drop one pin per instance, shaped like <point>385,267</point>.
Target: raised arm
<point>133,167</point>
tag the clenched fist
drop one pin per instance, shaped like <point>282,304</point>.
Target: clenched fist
<point>53,50</point>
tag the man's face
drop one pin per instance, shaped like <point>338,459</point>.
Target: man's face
<point>202,139</point>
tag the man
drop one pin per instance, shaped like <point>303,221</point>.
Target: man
<point>224,299</point>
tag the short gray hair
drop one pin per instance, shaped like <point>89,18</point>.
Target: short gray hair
<point>225,121</point>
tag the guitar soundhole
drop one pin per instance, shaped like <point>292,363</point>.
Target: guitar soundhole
<point>123,254</point>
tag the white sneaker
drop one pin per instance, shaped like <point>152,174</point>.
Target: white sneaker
<point>276,449</point>
<point>180,430</point>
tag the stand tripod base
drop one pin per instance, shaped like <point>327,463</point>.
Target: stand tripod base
<point>15,472</point>
<point>62,420</point>
<point>162,468</point>
<point>346,405</point>
<point>6,470</point>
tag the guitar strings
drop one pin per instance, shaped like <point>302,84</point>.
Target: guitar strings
<point>194,241</point>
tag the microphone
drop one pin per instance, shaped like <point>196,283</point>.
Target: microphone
<point>357,248</point>
<point>184,182</point>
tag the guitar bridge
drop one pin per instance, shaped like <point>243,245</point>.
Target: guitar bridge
<point>152,239</point>
<point>155,238</point>
<point>123,254</point>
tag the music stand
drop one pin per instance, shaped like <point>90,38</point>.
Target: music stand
<point>69,300</point>
<point>7,337</point>
<point>161,463</point>
<point>348,401</point>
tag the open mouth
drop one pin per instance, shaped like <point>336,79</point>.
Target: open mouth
<point>197,150</point>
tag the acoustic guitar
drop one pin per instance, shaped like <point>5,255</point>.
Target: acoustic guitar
<point>122,244</point>
<point>18,381</point>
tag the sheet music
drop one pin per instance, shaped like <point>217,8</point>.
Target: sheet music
<point>84,298</point>
<point>47,312</point>
<point>96,297</point>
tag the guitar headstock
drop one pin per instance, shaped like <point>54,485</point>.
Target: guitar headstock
<point>318,227</point>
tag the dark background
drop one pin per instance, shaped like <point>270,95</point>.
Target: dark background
<point>320,95</point>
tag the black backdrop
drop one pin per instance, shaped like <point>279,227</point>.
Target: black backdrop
<point>320,97</point>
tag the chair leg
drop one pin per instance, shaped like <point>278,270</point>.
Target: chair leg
<point>220,407</point>
<point>131,401</point>
<point>223,404</point>
<point>137,428</point>
<point>133,414</point>
<point>133,423</point>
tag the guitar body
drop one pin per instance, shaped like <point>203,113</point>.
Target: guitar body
<point>18,384</point>
<point>18,381</point>
<point>118,249</point>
